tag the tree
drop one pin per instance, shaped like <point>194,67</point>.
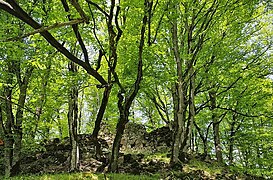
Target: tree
<point>11,124</point>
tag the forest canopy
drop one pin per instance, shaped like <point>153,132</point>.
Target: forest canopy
<point>202,68</point>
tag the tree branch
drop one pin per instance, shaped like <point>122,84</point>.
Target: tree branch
<point>235,111</point>
<point>77,33</point>
<point>80,11</point>
<point>46,28</point>
<point>98,7</point>
<point>22,15</point>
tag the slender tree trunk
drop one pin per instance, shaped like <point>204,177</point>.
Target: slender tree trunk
<point>73,123</point>
<point>123,119</point>
<point>18,134</point>
<point>13,126</point>
<point>99,117</point>
<point>232,133</point>
<point>8,138</point>
<point>81,104</point>
<point>178,125</point>
<point>231,143</point>
<point>188,132</point>
<point>125,101</point>
<point>203,138</point>
<point>180,99</point>
<point>216,128</point>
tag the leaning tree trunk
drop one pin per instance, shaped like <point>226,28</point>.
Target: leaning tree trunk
<point>123,120</point>
<point>216,128</point>
<point>98,121</point>
<point>73,122</point>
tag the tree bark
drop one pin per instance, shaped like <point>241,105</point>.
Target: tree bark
<point>179,123</point>
<point>180,99</point>
<point>123,119</point>
<point>204,138</point>
<point>99,117</point>
<point>8,138</point>
<point>233,131</point>
<point>187,134</point>
<point>231,143</point>
<point>42,99</point>
<point>73,122</point>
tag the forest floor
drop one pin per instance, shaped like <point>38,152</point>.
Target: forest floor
<point>52,162</point>
<point>151,167</point>
<point>193,170</point>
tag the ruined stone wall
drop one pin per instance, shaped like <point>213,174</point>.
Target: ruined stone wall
<point>137,138</point>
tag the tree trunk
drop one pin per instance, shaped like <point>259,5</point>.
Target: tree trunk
<point>188,132</point>
<point>8,138</point>
<point>203,138</point>
<point>216,128</point>
<point>123,119</point>
<point>8,154</point>
<point>13,126</point>
<point>179,122</point>
<point>233,131</point>
<point>231,143</point>
<point>18,134</point>
<point>125,101</point>
<point>73,123</point>
<point>99,117</point>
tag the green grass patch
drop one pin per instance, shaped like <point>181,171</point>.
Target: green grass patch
<point>158,156</point>
<point>213,168</point>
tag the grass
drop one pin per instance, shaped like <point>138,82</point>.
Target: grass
<point>158,156</point>
<point>213,168</point>
<point>89,176</point>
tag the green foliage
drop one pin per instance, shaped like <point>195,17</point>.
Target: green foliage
<point>234,60</point>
